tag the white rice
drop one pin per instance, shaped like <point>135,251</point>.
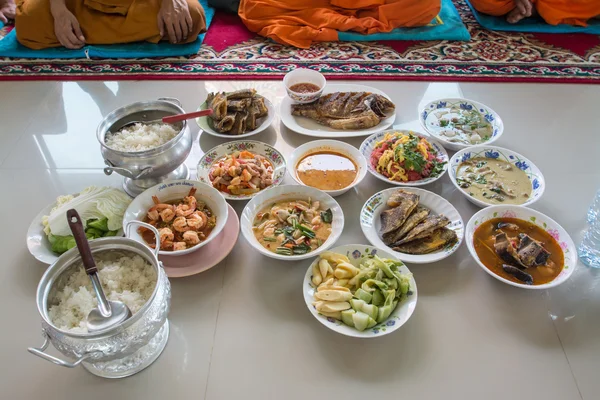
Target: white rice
<point>140,137</point>
<point>126,278</point>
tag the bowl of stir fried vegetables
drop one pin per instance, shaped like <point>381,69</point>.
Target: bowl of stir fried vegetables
<point>405,158</point>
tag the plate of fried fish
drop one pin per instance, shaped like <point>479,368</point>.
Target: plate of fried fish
<point>236,114</point>
<point>341,111</point>
<point>417,225</point>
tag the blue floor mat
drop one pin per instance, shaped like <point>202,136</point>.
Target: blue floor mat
<point>10,47</point>
<point>533,24</point>
<point>446,26</point>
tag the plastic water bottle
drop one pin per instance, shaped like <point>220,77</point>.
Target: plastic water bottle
<point>594,209</point>
<point>589,249</point>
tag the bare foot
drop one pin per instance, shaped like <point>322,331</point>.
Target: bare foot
<point>523,9</point>
<point>7,10</point>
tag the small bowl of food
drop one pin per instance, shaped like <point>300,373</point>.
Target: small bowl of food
<point>188,215</point>
<point>292,222</point>
<point>415,225</point>
<point>359,291</point>
<point>241,169</point>
<point>461,123</point>
<point>521,247</point>
<point>304,85</point>
<point>329,165</point>
<point>489,175</point>
<point>404,158</point>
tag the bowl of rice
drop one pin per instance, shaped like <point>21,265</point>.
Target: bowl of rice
<point>145,153</point>
<point>129,272</point>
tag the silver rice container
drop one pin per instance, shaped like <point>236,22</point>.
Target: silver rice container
<point>121,350</point>
<point>145,169</point>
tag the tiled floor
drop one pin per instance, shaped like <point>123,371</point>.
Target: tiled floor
<point>241,330</point>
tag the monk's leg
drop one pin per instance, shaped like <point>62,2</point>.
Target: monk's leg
<point>576,13</point>
<point>514,10</point>
<point>35,25</point>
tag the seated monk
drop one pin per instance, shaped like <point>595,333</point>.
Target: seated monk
<point>301,22</point>
<point>75,23</point>
<point>554,12</point>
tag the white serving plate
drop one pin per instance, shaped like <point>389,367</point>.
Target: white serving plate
<point>175,190</point>
<point>367,147</point>
<point>538,184</point>
<point>330,145</point>
<point>537,218</point>
<point>399,316</point>
<point>370,223</point>
<point>306,126</point>
<point>430,122</point>
<point>37,241</point>
<point>220,151</point>
<point>291,192</point>
<point>266,122</point>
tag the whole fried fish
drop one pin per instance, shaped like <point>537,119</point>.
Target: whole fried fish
<point>415,218</point>
<point>346,110</point>
<point>394,218</point>
<point>225,124</point>
<point>425,228</point>
<point>438,239</point>
<point>241,94</point>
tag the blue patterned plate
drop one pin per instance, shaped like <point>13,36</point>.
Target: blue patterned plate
<point>356,253</point>
<point>367,147</point>
<point>538,184</point>
<point>220,151</point>
<point>428,116</point>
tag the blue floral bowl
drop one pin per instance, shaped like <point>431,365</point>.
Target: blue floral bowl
<point>430,121</point>
<point>538,184</point>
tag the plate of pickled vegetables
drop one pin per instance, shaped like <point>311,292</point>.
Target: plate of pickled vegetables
<point>241,169</point>
<point>360,291</point>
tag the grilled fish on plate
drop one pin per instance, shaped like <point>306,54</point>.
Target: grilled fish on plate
<point>347,110</point>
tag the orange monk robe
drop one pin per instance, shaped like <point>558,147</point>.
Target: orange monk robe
<point>554,12</point>
<point>301,22</point>
<point>101,21</point>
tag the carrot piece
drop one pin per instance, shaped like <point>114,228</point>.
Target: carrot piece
<point>289,245</point>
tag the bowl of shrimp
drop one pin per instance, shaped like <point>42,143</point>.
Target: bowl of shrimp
<point>188,215</point>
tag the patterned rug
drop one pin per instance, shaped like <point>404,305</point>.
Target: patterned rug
<point>230,51</point>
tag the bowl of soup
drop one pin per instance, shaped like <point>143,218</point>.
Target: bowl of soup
<point>490,176</point>
<point>292,222</point>
<point>328,165</point>
<point>521,247</point>
<point>304,85</point>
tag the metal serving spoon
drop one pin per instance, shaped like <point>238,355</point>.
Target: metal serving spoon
<point>108,313</point>
<point>171,119</point>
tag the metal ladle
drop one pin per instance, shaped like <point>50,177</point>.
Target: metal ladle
<point>171,119</point>
<point>108,313</point>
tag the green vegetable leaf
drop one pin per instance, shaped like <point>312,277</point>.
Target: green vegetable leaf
<point>481,180</point>
<point>60,244</point>
<point>100,224</point>
<point>327,216</point>
<point>414,161</point>
<point>438,168</point>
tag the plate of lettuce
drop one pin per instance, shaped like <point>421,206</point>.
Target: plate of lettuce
<point>102,209</point>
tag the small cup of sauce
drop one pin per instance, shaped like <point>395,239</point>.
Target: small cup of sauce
<point>304,85</point>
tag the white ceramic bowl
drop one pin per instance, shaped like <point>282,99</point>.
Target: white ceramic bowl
<point>291,192</point>
<point>304,75</point>
<point>367,147</point>
<point>176,190</point>
<point>429,120</point>
<point>537,218</point>
<point>220,151</point>
<point>334,146</point>
<point>538,184</point>
<point>370,223</point>
<point>399,316</point>
<point>265,122</point>
<point>37,240</point>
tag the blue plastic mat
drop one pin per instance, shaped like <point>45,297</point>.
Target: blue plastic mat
<point>446,26</point>
<point>532,24</point>
<point>10,47</point>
